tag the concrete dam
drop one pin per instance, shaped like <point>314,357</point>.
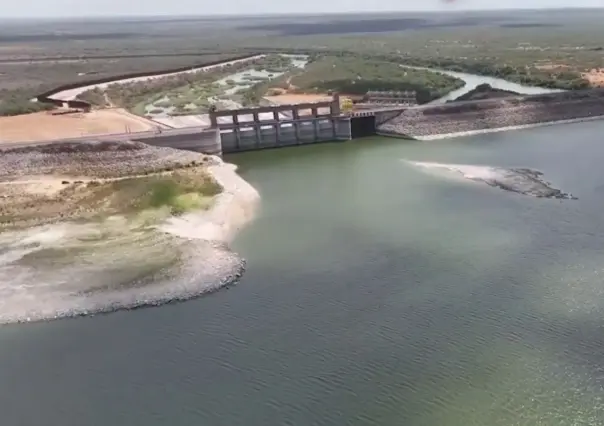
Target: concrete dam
<point>249,129</point>
<point>265,127</point>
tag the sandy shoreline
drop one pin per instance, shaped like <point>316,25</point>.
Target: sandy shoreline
<point>88,265</point>
<point>233,208</point>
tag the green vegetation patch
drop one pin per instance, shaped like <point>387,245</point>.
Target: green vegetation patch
<point>179,192</point>
<point>22,81</point>
<point>358,75</point>
<point>15,102</point>
<point>146,198</point>
<point>274,63</point>
<point>94,96</point>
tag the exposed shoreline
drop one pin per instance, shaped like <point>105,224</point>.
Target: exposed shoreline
<point>469,118</point>
<point>486,131</point>
<point>232,209</point>
<point>123,262</point>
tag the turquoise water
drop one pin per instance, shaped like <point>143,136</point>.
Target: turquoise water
<point>375,294</point>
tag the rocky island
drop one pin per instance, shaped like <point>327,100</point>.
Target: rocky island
<point>523,181</point>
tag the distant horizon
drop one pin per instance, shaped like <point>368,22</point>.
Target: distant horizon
<point>449,8</point>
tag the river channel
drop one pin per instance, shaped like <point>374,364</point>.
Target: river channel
<point>471,80</point>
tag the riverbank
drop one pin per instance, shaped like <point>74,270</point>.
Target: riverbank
<point>129,224</point>
<point>472,81</point>
<point>70,92</point>
<point>502,129</point>
<point>87,180</point>
<point>232,209</point>
<point>457,119</point>
<point>83,180</point>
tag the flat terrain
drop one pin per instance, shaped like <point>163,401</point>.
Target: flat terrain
<point>44,184</point>
<point>595,77</point>
<point>298,98</point>
<point>45,126</point>
<point>548,48</point>
<point>359,74</point>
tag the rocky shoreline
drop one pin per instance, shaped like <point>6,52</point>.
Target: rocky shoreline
<point>474,117</point>
<point>83,265</point>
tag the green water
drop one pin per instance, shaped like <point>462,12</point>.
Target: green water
<point>375,294</point>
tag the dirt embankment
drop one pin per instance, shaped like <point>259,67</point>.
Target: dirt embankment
<point>165,219</point>
<point>46,126</point>
<point>458,118</point>
<point>595,77</point>
<point>297,98</point>
<point>85,180</point>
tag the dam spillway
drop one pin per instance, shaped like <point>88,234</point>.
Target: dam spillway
<point>423,122</point>
<point>277,126</point>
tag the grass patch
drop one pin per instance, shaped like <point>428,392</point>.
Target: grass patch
<point>139,109</point>
<point>146,199</point>
<point>163,104</point>
<point>178,192</point>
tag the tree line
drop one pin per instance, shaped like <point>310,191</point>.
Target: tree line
<point>19,101</point>
<point>564,79</point>
<point>129,95</point>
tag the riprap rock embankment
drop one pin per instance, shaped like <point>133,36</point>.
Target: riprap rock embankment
<point>475,116</point>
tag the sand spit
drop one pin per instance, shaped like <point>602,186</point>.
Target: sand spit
<point>68,268</point>
<point>520,180</point>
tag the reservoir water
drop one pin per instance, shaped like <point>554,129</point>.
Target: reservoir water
<point>375,294</point>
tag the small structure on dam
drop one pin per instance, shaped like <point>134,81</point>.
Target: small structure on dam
<point>407,98</point>
<point>280,125</point>
<point>274,126</point>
